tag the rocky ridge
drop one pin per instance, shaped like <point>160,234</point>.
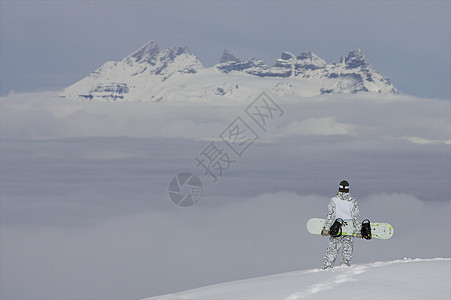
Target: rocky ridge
<point>151,74</point>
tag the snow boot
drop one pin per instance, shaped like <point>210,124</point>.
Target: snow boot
<point>366,229</point>
<point>335,229</point>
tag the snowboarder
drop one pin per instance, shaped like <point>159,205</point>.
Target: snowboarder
<point>341,208</point>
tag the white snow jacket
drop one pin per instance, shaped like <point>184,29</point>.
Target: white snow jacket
<point>345,207</point>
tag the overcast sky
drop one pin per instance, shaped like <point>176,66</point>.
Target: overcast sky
<point>52,44</point>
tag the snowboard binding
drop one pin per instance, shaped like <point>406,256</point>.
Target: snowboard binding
<point>335,230</point>
<point>366,229</point>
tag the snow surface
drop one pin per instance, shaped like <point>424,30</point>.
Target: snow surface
<point>398,279</point>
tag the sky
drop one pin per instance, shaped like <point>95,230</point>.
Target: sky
<point>52,44</point>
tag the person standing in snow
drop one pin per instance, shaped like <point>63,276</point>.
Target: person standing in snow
<point>344,207</point>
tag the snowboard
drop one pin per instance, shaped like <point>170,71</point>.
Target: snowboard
<point>378,230</point>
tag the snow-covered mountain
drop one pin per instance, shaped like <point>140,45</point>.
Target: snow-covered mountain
<point>399,279</point>
<point>149,74</point>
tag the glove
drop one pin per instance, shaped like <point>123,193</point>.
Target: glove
<point>358,235</point>
<point>325,232</point>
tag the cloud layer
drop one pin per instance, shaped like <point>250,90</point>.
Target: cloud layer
<point>155,252</point>
<point>44,115</point>
<point>85,212</point>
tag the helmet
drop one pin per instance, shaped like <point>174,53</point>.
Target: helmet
<point>344,187</point>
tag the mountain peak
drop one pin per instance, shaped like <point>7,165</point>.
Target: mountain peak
<point>355,59</point>
<point>307,55</point>
<point>230,62</point>
<point>228,56</point>
<point>287,55</point>
<point>148,74</point>
<point>147,53</point>
<point>310,61</point>
<point>171,53</point>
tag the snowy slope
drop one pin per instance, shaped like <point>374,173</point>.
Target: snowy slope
<point>149,74</point>
<point>399,279</point>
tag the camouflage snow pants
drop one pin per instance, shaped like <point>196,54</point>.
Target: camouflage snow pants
<point>345,242</point>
